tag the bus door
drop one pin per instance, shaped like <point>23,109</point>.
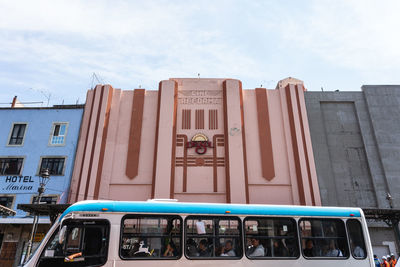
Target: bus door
<point>77,243</point>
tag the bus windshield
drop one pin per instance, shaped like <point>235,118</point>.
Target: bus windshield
<point>78,243</point>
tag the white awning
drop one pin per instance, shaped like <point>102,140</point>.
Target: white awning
<point>6,211</point>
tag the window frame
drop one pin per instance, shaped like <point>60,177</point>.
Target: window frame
<point>22,165</point>
<point>13,196</point>
<point>55,196</point>
<point>296,236</point>
<point>319,257</point>
<point>38,171</point>
<point>362,234</point>
<point>54,124</point>
<point>11,131</point>
<point>140,216</point>
<point>210,217</point>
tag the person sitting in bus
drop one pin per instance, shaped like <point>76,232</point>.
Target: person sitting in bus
<point>203,249</point>
<point>357,251</point>
<point>220,251</point>
<point>279,249</point>
<point>229,249</point>
<point>309,250</point>
<point>333,251</point>
<point>256,249</point>
<point>191,248</point>
<point>171,250</point>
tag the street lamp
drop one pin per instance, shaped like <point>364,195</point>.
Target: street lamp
<point>389,198</point>
<point>44,178</point>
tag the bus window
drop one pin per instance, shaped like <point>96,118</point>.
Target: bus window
<point>150,237</point>
<point>271,238</point>
<point>208,237</point>
<point>85,244</point>
<point>323,238</point>
<point>356,237</point>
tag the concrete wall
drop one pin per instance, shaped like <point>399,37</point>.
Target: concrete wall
<point>356,143</point>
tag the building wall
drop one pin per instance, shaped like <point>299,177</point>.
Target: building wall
<point>16,229</point>
<point>36,145</point>
<point>356,142</point>
<point>136,144</point>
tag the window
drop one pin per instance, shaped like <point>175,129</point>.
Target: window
<point>356,237</point>
<point>323,238</point>
<point>86,242</point>
<point>209,237</point>
<point>46,199</point>
<point>271,237</point>
<point>55,165</point>
<point>11,166</point>
<point>17,134</point>
<point>151,237</point>
<point>58,133</point>
<point>7,201</point>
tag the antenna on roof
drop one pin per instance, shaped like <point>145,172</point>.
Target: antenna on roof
<point>45,93</point>
<point>95,77</point>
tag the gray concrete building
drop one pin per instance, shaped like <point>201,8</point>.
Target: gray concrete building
<point>356,143</point>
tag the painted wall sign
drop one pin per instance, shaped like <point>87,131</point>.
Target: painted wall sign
<point>19,179</point>
<point>192,97</point>
<point>18,183</point>
<point>200,143</point>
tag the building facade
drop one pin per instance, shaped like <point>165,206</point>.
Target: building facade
<point>356,143</point>
<point>204,140</point>
<point>32,139</point>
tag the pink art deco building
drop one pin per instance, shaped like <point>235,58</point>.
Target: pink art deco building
<point>203,140</point>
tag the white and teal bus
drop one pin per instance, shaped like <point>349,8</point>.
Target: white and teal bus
<point>168,233</point>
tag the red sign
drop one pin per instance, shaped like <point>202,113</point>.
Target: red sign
<point>201,146</point>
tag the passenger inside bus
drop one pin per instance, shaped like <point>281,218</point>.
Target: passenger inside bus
<point>309,250</point>
<point>228,249</point>
<point>332,250</point>
<point>256,249</point>
<point>279,249</point>
<point>191,248</point>
<point>220,251</point>
<point>357,251</point>
<point>203,249</point>
<point>171,250</point>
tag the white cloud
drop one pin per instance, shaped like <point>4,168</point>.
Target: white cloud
<point>57,45</point>
<point>354,34</point>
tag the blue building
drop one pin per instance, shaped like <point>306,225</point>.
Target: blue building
<point>32,139</point>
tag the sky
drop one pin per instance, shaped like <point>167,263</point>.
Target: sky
<point>53,51</point>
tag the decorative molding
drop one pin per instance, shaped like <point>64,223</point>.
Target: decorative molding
<point>132,162</point>
<point>295,144</point>
<point>264,134</point>
<point>199,119</point>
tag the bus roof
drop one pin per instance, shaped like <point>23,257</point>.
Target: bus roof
<point>208,208</point>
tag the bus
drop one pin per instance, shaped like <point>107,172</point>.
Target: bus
<point>170,233</point>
